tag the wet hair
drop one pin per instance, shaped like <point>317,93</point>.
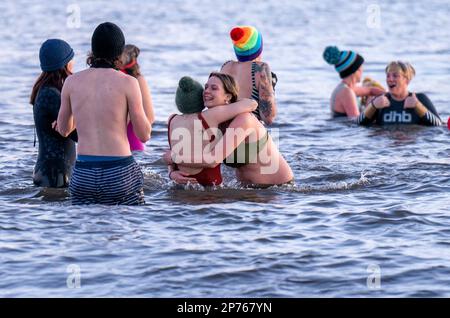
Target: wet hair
<point>229,85</point>
<point>129,55</point>
<point>403,67</point>
<point>92,60</point>
<point>53,79</point>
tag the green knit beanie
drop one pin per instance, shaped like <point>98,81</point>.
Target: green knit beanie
<point>189,97</point>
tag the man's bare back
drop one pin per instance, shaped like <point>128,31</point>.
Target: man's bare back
<point>100,99</point>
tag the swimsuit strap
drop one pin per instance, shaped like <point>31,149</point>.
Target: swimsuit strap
<point>255,91</point>
<point>203,120</point>
<point>168,128</point>
<point>205,125</point>
<point>227,62</point>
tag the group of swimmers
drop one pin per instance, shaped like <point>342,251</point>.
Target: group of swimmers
<point>396,106</point>
<point>107,109</point>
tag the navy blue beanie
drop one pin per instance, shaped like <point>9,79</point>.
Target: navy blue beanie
<point>54,55</point>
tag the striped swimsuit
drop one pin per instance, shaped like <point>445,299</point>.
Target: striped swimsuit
<point>111,181</point>
<point>255,91</point>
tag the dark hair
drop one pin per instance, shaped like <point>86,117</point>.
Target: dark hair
<point>54,79</point>
<point>130,55</point>
<point>229,85</point>
<point>92,60</point>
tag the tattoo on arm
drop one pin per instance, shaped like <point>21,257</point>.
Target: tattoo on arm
<point>266,95</point>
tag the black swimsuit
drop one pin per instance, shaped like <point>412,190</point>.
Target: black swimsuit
<point>396,114</point>
<point>56,155</point>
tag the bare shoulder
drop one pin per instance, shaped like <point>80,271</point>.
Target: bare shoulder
<point>75,79</point>
<point>170,118</point>
<point>126,80</point>
<point>227,66</point>
<point>141,80</point>
<point>346,92</point>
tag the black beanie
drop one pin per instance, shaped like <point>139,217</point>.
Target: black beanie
<point>107,41</point>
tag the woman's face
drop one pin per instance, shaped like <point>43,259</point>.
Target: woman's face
<point>396,82</point>
<point>214,93</point>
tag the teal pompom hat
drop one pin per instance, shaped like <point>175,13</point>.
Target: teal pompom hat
<point>345,62</point>
<point>189,96</point>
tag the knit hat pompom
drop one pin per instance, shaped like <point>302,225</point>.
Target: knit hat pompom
<point>189,96</point>
<point>187,84</point>
<point>236,34</point>
<point>345,62</point>
<point>331,55</point>
<point>247,43</point>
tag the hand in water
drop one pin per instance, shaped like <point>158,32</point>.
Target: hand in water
<point>54,125</point>
<point>381,102</point>
<point>181,177</point>
<point>411,101</point>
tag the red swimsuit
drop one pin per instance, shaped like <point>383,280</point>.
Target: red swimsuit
<point>208,176</point>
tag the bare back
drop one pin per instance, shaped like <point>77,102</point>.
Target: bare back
<point>99,100</point>
<point>183,129</point>
<point>343,101</point>
<point>254,83</point>
<point>242,74</point>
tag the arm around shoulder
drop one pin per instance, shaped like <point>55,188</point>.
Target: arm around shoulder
<point>220,114</point>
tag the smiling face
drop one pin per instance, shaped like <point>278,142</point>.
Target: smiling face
<point>398,76</point>
<point>214,93</point>
<point>396,82</point>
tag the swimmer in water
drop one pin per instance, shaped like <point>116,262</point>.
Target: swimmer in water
<point>99,102</point>
<point>253,76</point>
<point>190,102</point>
<point>244,144</point>
<point>129,65</point>
<point>399,105</point>
<point>56,155</point>
<point>349,65</point>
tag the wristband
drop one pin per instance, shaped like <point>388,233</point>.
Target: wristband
<point>373,105</point>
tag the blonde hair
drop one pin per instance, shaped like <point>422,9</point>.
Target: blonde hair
<point>402,67</point>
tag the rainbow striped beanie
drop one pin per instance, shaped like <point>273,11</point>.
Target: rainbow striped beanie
<point>247,43</point>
